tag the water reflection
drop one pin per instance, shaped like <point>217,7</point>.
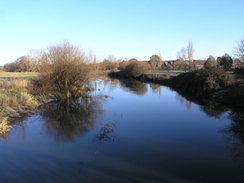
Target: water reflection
<point>146,144</point>
<point>156,88</point>
<point>65,124</point>
<point>209,107</point>
<point>111,84</point>
<point>234,132</point>
<point>136,87</point>
<point>214,109</point>
<point>183,100</point>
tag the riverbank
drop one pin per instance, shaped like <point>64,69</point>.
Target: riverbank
<point>21,95</point>
<point>215,85</point>
<point>16,101</point>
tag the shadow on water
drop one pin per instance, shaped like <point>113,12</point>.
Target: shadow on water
<point>233,132</point>
<point>66,123</point>
<point>236,132</point>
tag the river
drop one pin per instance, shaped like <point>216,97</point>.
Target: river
<point>128,132</point>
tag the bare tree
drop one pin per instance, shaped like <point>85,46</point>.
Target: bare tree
<point>181,55</point>
<point>36,59</point>
<point>240,50</point>
<point>111,58</point>
<point>190,51</point>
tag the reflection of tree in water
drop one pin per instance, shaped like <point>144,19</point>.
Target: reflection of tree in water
<point>236,130</point>
<point>136,87</point>
<point>111,84</point>
<point>105,83</point>
<point>214,109</point>
<point>156,88</point>
<point>211,108</point>
<point>183,100</point>
<point>65,123</point>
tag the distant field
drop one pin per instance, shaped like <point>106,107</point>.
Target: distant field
<point>175,72</point>
<point>6,75</point>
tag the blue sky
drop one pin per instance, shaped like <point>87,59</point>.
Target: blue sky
<point>123,28</point>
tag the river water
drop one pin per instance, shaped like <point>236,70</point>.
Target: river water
<point>128,132</point>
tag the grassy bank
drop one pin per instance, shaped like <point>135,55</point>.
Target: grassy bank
<point>15,98</point>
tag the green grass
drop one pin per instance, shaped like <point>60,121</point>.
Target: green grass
<point>172,73</point>
<point>4,112</point>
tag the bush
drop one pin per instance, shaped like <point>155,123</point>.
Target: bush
<point>136,69</point>
<point>239,71</point>
<point>201,81</point>
<point>216,78</point>
<point>211,62</point>
<point>64,74</point>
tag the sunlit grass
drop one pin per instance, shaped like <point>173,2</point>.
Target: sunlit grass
<point>13,93</point>
<point>5,127</point>
<point>6,75</point>
<point>14,100</point>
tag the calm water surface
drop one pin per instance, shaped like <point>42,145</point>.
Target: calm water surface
<point>135,133</point>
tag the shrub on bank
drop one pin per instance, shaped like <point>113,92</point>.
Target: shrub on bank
<point>64,74</point>
<point>201,81</point>
<point>239,71</point>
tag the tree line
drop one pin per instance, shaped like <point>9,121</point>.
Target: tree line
<point>65,71</point>
<point>184,61</point>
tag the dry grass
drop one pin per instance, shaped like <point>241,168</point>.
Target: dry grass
<point>14,96</point>
<point>15,100</point>
<point>5,127</point>
<point>6,75</point>
<point>17,83</point>
<point>13,93</point>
